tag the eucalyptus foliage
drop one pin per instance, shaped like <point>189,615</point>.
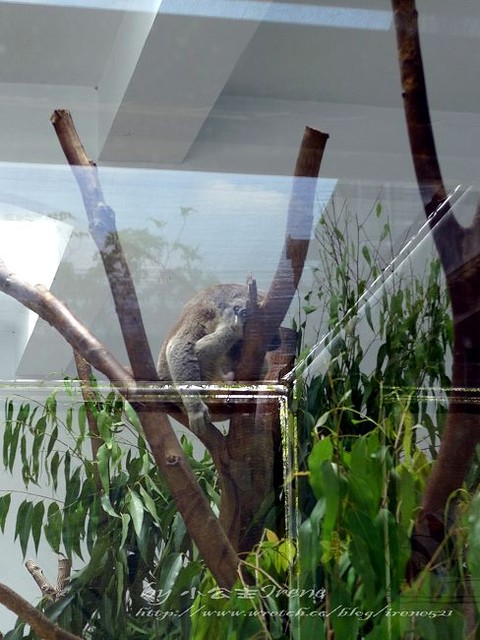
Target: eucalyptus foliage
<point>111,515</point>
<point>136,572</point>
<point>370,407</point>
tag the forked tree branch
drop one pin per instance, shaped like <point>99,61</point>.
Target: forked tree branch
<point>459,251</point>
<point>247,462</point>
<point>50,591</point>
<point>200,521</point>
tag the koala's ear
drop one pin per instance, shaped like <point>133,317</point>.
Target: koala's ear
<point>275,342</point>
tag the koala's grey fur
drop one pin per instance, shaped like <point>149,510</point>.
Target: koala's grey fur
<point>204,345</point>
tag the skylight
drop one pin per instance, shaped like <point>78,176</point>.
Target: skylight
<point>278,12</point>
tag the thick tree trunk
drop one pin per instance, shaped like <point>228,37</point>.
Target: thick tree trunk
<point>458,248</point>
<point>248,464</point>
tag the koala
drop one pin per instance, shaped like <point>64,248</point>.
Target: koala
<point>216,351</point>
<point>205,344</point>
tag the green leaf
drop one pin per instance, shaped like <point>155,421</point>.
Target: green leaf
<point>135,508</point>
<point>4,507</point>
<point>52,440</point>
<point>23,414</point>
<point>39,434</point>
<point>149,503</point>
<point>284,556</point>
<point>53,526</point>
<point>107,506</point>
<point>69,419</point>
<point>51,406</point>
<point>323,419</point>
<point>13,446</point>
<point>103,462</point>
<point>132,417</point>
<point>8,433</point>
<point>82,420</point>
<point>37,521</point>
<point>368,316</point>
<point>104,424</point>
<point>72,487</point>
<point>331,491</point>
<point>322,451</point>
<point>170,571</point>
<point>54,466</point>
<point>98,559</point>
<point>120,571</point>
<point>125,527</point>
<point>385,232</point>
<point>24,524</point>
<point>366,255</point>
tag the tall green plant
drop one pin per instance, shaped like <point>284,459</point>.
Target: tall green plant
<point>370,405</point>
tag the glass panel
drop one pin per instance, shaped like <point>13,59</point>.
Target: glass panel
<point>240,368</point>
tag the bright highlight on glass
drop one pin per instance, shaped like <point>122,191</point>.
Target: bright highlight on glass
<point>280,12</point>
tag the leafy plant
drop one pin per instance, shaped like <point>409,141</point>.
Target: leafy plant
<point>112,515</point>
<point>370,405</point>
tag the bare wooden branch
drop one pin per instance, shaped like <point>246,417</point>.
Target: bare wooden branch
<point>203,526</point>
<point>63,574</point>
<point>102,226</point>
<point>36,571</point>
<point>48,590</point>
<point>289,270</point>
<point>49,308</point>
<point>420,133</point>
<point>36,619</point>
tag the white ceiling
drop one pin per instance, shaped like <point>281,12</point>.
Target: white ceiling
<point>149,91</point>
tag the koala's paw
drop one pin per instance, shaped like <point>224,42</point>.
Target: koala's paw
<point>199,418</point>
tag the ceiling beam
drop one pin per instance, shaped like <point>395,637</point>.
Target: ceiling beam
<point>181,71</point>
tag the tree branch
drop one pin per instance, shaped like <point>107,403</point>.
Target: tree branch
<point>102,227</point>
<point>48,590</point>
<point>35,618</point>
<point>433,193</point>
<point>277,301</point>
<point>458,249</point>
<point>38,299</point>
<point>246,464</point>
